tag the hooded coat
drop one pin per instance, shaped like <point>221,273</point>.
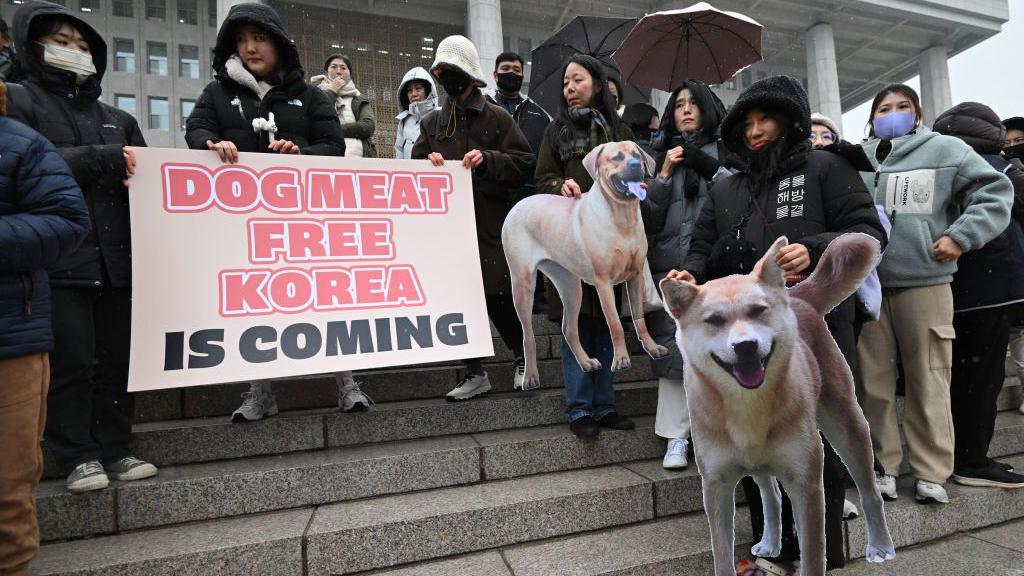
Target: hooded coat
<point>412,113</point>
<point>811,196</point>
<point>42,219</point>
<point>226,108</point>
<point>671,209</point>
<point>90,136</point>
<point>992,275</point>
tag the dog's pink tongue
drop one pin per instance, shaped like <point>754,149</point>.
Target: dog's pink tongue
<point>637,190</point>
<point>749,375</point>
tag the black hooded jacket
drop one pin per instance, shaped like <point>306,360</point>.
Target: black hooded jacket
<point>90,136</point>
<point>226,108</point>
<point>811,197</point>
<point>992,275</point>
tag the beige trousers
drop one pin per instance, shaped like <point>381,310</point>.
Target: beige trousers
<point>673,417</point>
<point>915,328</point>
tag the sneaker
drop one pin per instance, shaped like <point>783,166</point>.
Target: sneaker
<point>519,376</point>
<point>86,477</point>
<point>1003,465</point>
<point>615,422</point>
<point>930,492</point>
<point>351,398</point>
<point>991,475</point>
<point>887,486</point>
<point>849,510</point>
<point>675,455</point>
<point>585,427</point>
<point>259,402</point>
<point>471,386</point>
<point>131,468</point>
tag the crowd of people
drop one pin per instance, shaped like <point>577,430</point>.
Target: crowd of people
<point>939,314</point>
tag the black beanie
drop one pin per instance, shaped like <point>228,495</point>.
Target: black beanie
<point>782,95</point>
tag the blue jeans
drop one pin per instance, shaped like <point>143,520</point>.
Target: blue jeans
<point>589,393</point>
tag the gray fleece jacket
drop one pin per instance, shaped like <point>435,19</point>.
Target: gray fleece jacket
<point>933,185</point>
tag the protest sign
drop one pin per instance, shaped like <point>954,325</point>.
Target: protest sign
<point>285,265</point>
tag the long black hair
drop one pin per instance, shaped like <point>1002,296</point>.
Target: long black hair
<point>600,100</point>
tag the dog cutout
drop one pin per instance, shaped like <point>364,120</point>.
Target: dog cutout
<point>597,238</point>
<point>762,376</point>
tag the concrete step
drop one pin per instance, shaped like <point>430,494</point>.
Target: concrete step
<point>217,438</point>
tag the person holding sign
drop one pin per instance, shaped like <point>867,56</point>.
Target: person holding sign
<point>89,428</point>
<point>258,102</point>
<point>487,141</point>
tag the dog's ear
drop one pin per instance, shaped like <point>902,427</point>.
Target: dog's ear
<point>590,161</point>
<point>677,296</point>
<point>767,270</point>
<point>647,160</point>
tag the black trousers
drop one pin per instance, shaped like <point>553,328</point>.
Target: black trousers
<point>90,411</point>
<point>979,356</point>
<point>841,324</point>
<point>502,311</point>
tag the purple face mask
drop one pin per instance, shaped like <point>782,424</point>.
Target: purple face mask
<point>894,124</point>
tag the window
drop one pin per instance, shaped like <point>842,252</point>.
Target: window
<point>124,55</point>
<point>211,13</point>
<point>186,110</point>
<point>157,52</point>
<point>125,102</point>
<point>156,9</point>
<point>159,115</point>
<point>123,8</point>
<point>188,12</point>
<point>89,5</point>
<point>188,61</point>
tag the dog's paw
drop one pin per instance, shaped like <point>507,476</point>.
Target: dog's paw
<point>765,549</point>
<point>657,351</point>
<point>876,555</point>
<point>621,363</point>
<point>590,364</point>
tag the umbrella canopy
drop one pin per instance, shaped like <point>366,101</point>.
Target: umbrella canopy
<point>596,36</point>
<point>698,43</point>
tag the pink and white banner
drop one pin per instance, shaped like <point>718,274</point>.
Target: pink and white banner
<point>287,265</point>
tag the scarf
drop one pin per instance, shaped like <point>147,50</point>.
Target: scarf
<point>239,73</point>
<point>588,130</point>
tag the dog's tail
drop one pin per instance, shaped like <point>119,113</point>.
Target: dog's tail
<point>847,261</point>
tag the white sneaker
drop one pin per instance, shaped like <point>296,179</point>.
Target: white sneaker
<point>259,402</point>
<point>351,398</point>
<point>131,468</point>
<point>931,492</point>
<point>675,455</point>
<point>887,486</point>
<point>849,510</point>
<point>87,476</point>
<point>470,386</point>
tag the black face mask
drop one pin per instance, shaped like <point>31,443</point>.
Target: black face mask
<point>1015,151</point>
<point>454,83</point>
<point>509,82</point>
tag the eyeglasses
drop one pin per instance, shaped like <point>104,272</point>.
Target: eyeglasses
<point>827,137</point>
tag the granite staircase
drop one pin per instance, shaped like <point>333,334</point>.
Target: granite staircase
<point>496,486</point>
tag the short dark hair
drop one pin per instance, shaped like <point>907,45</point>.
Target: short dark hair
<point>5,31</point>
<point>508,57</point>
<point>344,58</point>
<point>901,89</point>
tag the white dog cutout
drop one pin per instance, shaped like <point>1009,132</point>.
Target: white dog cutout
<point>598,238</point>
<point>762,376</point>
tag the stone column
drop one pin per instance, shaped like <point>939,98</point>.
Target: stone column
<point>822,73</point>
<point>936,97</point>
<point>224,5</point>
<point>483,27</point>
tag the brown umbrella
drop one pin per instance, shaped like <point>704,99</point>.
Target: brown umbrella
<point>698,43</point>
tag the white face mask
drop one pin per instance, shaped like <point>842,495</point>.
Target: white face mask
<point>69,59</point>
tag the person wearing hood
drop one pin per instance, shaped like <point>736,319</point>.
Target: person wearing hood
<point>258,102</point>
<point>988,299</point>
<point>89,429</point>
<point>942,200</point>
<point>354,111</point>
<point>6,51</point>
<point>586,119</point>
<point>417,95</point>
<point>686,150</point>
<point>487,141</point>
<point>783,188</point>
<point>42,219</point>
<point>643,121</point>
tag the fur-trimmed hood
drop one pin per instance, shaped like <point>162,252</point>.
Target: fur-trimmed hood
<point>288,68</point>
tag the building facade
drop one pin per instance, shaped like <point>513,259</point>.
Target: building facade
<point>842,50</point>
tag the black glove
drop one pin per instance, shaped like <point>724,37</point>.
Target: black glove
<point>701,162</point>
<point>853,154</point>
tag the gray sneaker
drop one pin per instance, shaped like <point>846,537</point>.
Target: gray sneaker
<point>131,468</point>
<point>470,387</point>
<point>351,398</point>
<point>86,477</point>
<point>258,403</point>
